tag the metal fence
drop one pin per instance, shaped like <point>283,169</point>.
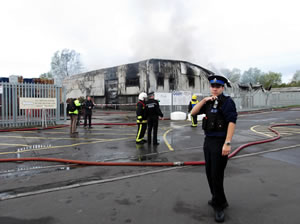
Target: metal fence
<point>11,114</point>
<point>247,101</point>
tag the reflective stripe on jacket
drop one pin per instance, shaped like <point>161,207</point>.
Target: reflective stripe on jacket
<point>77,104</point>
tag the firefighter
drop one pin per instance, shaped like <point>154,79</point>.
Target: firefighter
<point>73,110</point>
<point>193,102</point>
<point>141,118</point>
<point>219,126</point>
<point>153,112</point>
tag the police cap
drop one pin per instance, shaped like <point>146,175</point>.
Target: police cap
<point>150,94</point>
<point>218,79</point>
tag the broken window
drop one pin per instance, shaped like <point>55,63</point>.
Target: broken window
<point>191,81</point>
<point>133,81</point>
<point>160,81</point>
<point>132,78</point>
<point>172,83</point>
<point>191,76</point>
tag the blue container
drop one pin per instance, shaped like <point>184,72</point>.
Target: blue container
<point>4,79</point>
<point>28,81</point>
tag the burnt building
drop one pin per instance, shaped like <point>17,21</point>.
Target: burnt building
<point>122,84</point>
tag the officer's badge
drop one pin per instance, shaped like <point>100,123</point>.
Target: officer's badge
<point>215,80</point>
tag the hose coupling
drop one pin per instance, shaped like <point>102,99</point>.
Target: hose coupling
<point>178,163</point>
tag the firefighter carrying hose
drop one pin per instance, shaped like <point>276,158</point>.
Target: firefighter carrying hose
<point>193,102</point>
<point>141,116</point>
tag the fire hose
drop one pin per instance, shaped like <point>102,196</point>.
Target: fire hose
<point>60,126</point>
<point>187,163</point>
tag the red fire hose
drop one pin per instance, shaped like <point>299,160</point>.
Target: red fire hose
<point>88,163</point>
<point>33,129</point>
<point>60,126</point>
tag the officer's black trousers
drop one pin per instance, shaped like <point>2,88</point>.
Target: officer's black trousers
<point>215,165</point>
<point>88,116</point>
<point>152,124</point>
<point>141,131</point>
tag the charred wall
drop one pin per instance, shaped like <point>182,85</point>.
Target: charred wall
<point>122,84</point>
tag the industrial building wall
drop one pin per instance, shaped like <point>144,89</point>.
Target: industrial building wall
<point>90,83</point>
<point>122,84</point>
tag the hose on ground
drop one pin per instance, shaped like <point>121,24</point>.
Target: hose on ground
<point>60,126</point>
<point>187,163</point>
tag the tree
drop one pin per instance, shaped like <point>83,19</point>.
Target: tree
<point>270,79</point>
<point>296,76</point>
<point>47,75</point>
<point>233,75</point>
<point>252,75</point>
<point>65,63</point>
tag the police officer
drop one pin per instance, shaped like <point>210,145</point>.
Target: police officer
<point>73,110</point>
<point>88,106</point>
<point>219,126</point>
<point>141,118</point>
<point>193,102</point>
<point>153,112</point>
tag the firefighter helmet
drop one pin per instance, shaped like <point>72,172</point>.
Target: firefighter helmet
<point>142,96</point>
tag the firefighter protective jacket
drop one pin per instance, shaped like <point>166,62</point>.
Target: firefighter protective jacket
<point>141,113</point>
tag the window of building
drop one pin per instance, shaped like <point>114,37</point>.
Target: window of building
<point>160,81</point>
<point>191,76</point>
<point>191,81</point>
<point>132,78</point>
<point>132,81</point>
<point>172,83</point>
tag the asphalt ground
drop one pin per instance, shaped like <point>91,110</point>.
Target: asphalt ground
<point>262,182</point>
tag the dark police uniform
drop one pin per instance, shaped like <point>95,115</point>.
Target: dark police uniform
<point>80,111</point>
<point>153,112</point>
<point>141,121</point>
<point>88,106</point>
<point>194,118</point>
<point>219,113</point>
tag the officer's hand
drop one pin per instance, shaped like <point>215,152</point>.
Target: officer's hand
<point>226,150</point>
<point>210,98</point>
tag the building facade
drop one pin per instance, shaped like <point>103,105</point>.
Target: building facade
<point>122,84</point>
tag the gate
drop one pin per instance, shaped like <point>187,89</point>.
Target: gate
<point>29,104</point>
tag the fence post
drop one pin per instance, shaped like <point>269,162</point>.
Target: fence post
<point>2,104</point>
<point>65,104</point>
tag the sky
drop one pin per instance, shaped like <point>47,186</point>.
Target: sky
<point>226,34</point>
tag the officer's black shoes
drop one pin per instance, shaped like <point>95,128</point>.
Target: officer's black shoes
<point>225,205</point>
<point>140,143</point>
<point>90,127</point>
<point>219,215</point>
<point>155,143</point>
<point>144,141</point>
<point>211,203</point>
